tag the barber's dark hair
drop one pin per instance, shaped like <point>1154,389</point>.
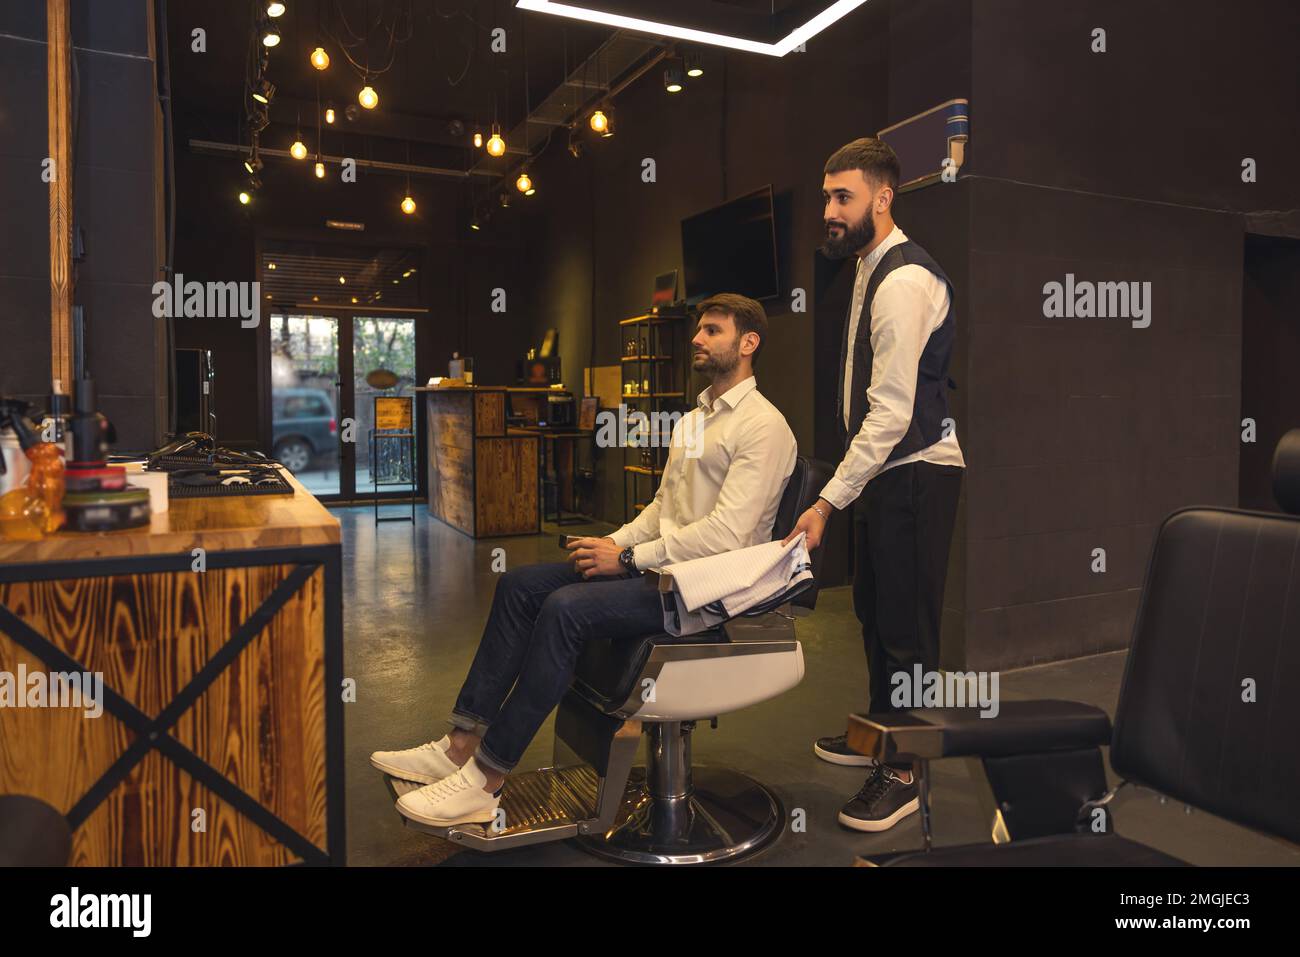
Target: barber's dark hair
<point>745,312</point>
<point>874,157</point>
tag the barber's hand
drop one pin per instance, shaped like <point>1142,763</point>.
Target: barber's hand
<point>593,557</point>
<point>813,524</point>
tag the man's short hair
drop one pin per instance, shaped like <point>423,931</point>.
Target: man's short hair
<point>747,313</point>
<point>874,157</point>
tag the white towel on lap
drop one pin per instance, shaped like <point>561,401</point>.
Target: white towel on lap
<point>707,591</point>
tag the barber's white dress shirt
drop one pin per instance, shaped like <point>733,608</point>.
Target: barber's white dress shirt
<point>909,306</point>
<point>726,496</point>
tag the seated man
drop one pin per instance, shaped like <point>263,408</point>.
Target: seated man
<point>728,464</point>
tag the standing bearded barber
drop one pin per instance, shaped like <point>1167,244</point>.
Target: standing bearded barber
<point>902,464</point>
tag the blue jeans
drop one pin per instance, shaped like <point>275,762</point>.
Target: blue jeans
<point>541,617</point>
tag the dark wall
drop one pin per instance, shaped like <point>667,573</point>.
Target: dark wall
<point>116,206</point>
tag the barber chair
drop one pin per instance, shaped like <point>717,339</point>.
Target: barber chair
<point>658,687</point>
<point>1220,605</point>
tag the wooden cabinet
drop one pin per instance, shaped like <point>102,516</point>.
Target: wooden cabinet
<point>219,737</point>
<point>483,476</point>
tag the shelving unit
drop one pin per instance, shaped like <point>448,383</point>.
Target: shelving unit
<point>655,363</point>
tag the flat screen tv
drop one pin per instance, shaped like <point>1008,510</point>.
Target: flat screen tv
<point>732,248</point>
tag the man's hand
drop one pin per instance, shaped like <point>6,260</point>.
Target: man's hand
<point>813,524</point>
<point>596,556</point>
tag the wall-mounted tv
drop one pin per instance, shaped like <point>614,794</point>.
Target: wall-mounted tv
<point>732,248</point>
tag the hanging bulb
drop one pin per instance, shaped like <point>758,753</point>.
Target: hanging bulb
<point>320,169</point>
<point>368,97</point>
<point>329,114</point>
<point>245,197</point>
<point>496,146</point>
<point>478,139</point>
<point>523,182</point>
<point>320,59</point>
<point>599,121</point>
<point>408,205</point>
<point>298,150</point>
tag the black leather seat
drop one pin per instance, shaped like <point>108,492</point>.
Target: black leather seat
<point>1206,711</point>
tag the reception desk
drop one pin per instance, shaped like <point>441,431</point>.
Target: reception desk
<point>483,475</point>
<point>220,740</point>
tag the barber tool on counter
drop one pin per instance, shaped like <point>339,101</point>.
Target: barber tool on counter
<point>98,498</point>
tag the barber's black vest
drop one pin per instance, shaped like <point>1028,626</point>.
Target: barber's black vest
<point>930,406</point>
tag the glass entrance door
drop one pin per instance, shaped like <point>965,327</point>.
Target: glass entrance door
<point>306,398</point>
<point>383,364</point>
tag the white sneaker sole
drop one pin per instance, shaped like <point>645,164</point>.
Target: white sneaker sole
<point>884,824</point>
<point>474,817</point>
<point>406,774</point>
<point>844,760</point>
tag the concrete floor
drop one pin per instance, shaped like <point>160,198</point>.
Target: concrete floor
<point>415,600</point>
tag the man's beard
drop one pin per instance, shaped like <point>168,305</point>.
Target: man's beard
<point>854,238</point>
<point>719,365</point>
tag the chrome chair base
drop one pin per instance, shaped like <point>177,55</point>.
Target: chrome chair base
<point>727,816</point>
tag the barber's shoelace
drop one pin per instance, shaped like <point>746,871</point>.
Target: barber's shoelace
<point>877,785</point>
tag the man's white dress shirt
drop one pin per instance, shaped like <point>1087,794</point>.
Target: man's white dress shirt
<point>909,306</point>
<point>724,498</point>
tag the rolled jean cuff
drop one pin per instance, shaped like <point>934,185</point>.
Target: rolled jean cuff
<point>469,722</point>
<point>486,759</point>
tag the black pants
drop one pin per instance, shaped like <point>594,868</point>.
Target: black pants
<point>902,532</point>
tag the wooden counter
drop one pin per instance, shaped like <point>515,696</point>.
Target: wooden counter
<point>221,734</point>
<point>483,477</point>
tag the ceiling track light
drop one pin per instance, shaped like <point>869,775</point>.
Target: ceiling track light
<point>694,64</point>
<point>270,35</point>
<point>674,79</point>
<point>274,8</point>
<point>263,91</point>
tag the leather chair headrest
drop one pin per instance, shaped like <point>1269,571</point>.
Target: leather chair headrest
<point>1286,472</point>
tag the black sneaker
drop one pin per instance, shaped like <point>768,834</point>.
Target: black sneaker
<point>883,801</point>
<point>836,750</point>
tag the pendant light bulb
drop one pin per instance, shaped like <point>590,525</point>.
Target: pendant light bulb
<point>368,98</point>
<point>320,59</point>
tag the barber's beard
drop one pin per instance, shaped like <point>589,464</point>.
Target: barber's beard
<point>854,238</point>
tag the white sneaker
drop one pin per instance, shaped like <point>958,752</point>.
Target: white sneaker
<point>426,764</point>
<point>459,799</point>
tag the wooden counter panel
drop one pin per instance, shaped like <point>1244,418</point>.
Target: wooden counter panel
<point>260,723</point>
<point>490,413</point>
<point>451,422</point>
<point>507,486</point>
<point>451,478</point>
<point>216,524</point>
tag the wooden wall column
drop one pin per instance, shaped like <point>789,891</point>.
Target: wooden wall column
<point>59,99</point>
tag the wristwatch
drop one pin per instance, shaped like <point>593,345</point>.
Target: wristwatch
<point>625,559</point>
